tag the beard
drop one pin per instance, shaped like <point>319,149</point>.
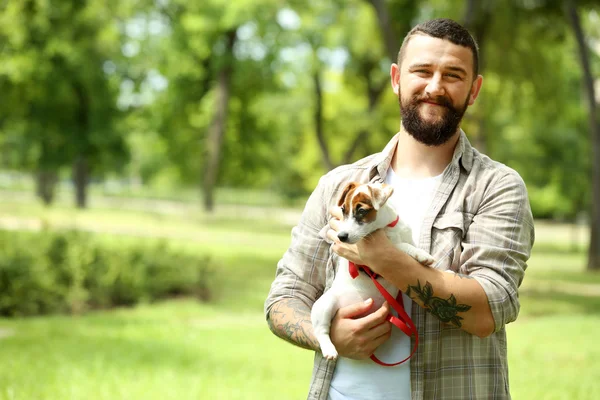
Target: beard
<point>431,133</point>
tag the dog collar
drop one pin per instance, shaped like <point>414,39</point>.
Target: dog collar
<point>354,270</point>
<point>394,222</point>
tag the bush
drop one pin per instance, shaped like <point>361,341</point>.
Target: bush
<point>57,272</point>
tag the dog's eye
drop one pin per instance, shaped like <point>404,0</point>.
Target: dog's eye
<point>361,212</point>
<point>343,210</point>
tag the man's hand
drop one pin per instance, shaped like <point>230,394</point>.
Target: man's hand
<point>358,338</point>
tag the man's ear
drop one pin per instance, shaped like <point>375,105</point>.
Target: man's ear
<point>380,194</point>
<point>395,78</point>
<point>347,189</point>
<point>475,88</point>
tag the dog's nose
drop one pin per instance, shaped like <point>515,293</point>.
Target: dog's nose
<point>343,236</point>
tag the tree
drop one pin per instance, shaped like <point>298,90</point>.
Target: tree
<point>64,102</point>
<point>368,34</point>
<point>478,20</point>
<point>594,129</point>
<point>217,128</point>
<point>201,60</point>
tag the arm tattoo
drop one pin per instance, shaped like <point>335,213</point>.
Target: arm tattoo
<point>444,309</point>
<point>290,320</point>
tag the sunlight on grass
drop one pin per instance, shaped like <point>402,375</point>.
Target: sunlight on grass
<point>555,358</point>
<point>224,350</point>
<point>177,349</point>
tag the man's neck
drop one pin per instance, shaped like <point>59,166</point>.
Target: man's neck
<point>413,159</point>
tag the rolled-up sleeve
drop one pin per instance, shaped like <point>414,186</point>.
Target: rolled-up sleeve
<point>301,272</point>
<point>498,244</point>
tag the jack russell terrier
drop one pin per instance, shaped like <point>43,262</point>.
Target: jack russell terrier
<point>365,209</point>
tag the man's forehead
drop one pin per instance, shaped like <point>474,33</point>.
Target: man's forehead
<point>427,50</point>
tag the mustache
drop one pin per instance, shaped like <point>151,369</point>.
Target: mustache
<point>441,100</point>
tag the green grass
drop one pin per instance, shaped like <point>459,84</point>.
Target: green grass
<point>174,350</point>
<point>182,349</point>
<point>555,357</point>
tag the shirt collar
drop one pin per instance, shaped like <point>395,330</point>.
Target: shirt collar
<point>463,154</point>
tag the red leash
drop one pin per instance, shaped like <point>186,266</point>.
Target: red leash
<point>403,321</point>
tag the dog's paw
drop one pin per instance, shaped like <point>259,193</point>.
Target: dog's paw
<point>425,259</point>
<point>329,352</point>
<point>428,262</point>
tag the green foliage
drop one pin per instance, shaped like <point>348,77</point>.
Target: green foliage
<point>183,349</point>
<point>46,272</point>
<point>147,73</point>
<point>549,202</point>
<point>60,86</point>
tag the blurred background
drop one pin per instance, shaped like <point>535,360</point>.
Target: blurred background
<point>154,155</point>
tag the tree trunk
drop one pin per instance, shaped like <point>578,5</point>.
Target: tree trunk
<point>477,19</point>
<point>391,39</point>
<point>80,168</point>
<point>80,181</point>
<point>216,130</point>
<point>318,119</point>
<point>594,125</point>
<point>45,185</point>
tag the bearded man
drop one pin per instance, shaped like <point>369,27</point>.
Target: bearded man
<point>470,213</point>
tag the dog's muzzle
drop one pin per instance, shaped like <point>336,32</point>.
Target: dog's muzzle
<point>343,236</point>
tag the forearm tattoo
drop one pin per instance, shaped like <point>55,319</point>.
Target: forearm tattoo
<point>290,320</point>
<point>444,309</point>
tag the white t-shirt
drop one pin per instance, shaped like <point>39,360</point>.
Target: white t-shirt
<point>358,380</point>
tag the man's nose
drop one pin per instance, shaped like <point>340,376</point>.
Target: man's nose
<point>343,236</point>
<point>434,87</point>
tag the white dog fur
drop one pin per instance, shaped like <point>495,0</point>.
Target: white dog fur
<point>365,210</point>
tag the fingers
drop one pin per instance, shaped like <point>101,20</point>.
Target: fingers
<point>334,224</point>
<point>381,333</point>
<point>371,339</point>
<point>358,338</point>
<point>377,318</point>
<point>370,321</point>
<point>386,332</point>
<point>355,309</point>
<point>332,236</point>
<point>334,227</point>
<point>336,212</point>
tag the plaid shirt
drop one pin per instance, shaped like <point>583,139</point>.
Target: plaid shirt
<point>479,224</point>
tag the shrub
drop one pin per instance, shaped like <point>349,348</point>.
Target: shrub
<point>53,272</point>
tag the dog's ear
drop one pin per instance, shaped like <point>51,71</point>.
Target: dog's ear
<point>347,189</point>
<point>380,194</point>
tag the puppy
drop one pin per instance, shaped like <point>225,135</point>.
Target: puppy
<point>365,209</point>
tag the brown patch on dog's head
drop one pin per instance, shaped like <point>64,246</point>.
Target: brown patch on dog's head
<point>344,197</point>
<point>361,202</point>
<point>362,208</point>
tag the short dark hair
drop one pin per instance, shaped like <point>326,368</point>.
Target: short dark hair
<point>447,29</point>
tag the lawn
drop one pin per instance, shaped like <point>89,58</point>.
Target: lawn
<point>182,349</point>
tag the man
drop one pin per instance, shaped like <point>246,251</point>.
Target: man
<point>471,213</point>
